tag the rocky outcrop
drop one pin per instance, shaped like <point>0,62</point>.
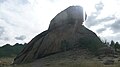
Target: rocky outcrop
<point>64,33</point>
<point>71,15</point>
<point>106,51</point>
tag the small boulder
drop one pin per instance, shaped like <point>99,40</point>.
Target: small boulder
<point>106,51</point>
<point>119,59</point>
<point>115,56</point>
<point>108,62</point>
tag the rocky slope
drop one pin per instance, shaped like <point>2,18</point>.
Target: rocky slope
<point>64,33</point>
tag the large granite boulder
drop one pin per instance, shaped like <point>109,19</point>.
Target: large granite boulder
<point>64,33</point>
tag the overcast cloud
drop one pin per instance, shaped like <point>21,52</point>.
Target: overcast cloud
<point>21,37</point>
<point>1,31</point>
<point>91,21</point>
<point>21,20</point>
<point>116,26</point>
<point>105,21</point>
<point>100,30</point>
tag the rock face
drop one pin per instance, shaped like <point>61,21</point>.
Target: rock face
<point>64,33</point>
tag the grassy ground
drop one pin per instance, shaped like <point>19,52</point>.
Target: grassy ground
<point>6,62</point>
<point>83,63</point>
<point>73,58</point>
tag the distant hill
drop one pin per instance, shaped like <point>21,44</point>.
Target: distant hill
<point>9,50</point>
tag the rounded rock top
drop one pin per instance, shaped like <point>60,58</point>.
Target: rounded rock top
<point>72,14</point>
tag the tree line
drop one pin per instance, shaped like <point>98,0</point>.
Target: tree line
<point>10,51</point>
<point>114,45</point>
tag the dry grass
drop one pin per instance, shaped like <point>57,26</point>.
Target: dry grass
<point>6,62</point>
<point>75,58</point>
<point>83,63</point>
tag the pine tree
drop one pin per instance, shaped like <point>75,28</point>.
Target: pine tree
<point>116,46</point>
<point>112,44</point>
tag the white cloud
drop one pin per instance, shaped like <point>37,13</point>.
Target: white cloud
<point>18,19</point>
<point>106,22</point>
<point>30,17</point>
<point>21,37</point>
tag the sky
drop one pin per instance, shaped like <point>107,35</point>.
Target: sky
<point>22,20</point>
